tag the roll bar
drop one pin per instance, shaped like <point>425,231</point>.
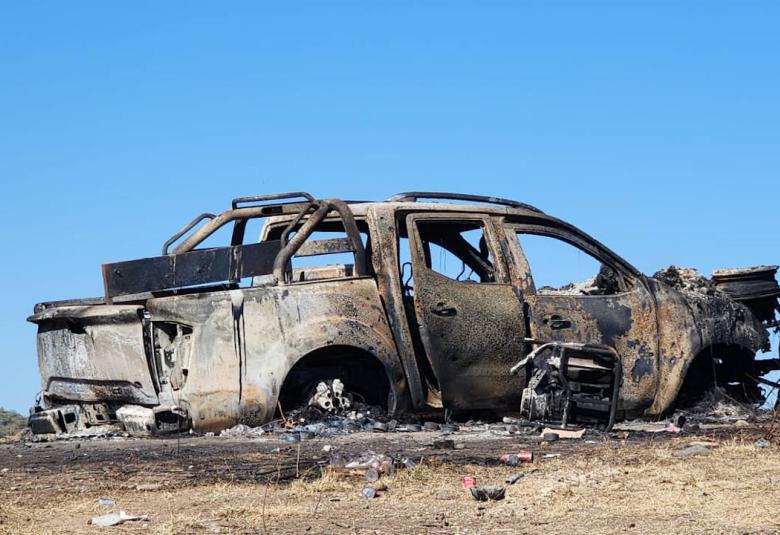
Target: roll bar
<point>188,266</point>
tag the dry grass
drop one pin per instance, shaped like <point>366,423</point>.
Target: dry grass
<point>631,487</point>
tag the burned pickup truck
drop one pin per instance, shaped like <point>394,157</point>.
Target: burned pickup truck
<point>422,302</point>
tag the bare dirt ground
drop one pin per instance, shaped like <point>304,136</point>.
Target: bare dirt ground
<point>626,483</point>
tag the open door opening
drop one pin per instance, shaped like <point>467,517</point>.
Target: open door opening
<point>470,320</point>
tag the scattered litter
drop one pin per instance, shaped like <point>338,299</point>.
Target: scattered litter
<point>563,433</point>
<point>550,455</point>
<point>513,459</point>
<point>291,437</point>
<point>511,480</point>
<point>105,502</point>
<point>741,423</point>
<point>483,494</point>
<point>549,436</point>
<point>468,482</point>
<point>114,519</point>
<point>691,451</point>
<point>326,448</point>
<point>372,474</point>
<point>370,465</point>
<point>408,463</point>
<point>240,430</point>
<point>648,427</point>
<point>444,444</point>
<point>371,491</point>
<point>717,406</point>
<point>762,443</point>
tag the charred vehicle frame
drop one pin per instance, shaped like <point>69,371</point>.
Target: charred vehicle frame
<point>206,337</point>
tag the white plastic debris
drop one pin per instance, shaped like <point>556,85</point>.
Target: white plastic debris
<point>330,396</point>
<point>105,502</point>
<point>136,420</point>
<point>762,443</point>
<point>241,430</point>
<point>564,433</point>
<point>114,519</point>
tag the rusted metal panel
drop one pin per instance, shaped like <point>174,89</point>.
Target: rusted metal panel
<point>93,354</point>
<point>189,269</point>
<point>246,340</point>
<point>323,247</point>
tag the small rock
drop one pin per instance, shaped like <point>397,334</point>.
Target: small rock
<point>550,437</point>
<point>482,494</point>
<point>741,423</point>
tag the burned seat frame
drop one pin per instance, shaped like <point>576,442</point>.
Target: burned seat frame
<point>571,383</point>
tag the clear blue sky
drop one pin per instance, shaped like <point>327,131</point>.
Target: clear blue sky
<point>654,127</point>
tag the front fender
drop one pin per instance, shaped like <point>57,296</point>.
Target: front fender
<point>691,321</point>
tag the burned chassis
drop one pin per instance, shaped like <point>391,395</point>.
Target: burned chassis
<point>177,342</point>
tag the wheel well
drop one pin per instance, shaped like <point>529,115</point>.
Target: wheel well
<point>360,371</point>
<point>717,365</point>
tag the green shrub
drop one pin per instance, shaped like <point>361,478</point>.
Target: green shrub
<point>11,422</point>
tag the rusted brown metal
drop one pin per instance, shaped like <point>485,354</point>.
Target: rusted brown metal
<point>207,338</point>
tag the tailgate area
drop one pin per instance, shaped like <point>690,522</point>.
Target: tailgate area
<point>92,361</point>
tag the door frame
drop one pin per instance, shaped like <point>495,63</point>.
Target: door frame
<point>490,232</point>
<point>504,354</point>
